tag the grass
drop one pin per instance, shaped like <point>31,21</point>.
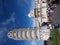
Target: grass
<point>53,34</point>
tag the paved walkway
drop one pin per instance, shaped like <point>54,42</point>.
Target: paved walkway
<point>58,40</point>
<point>56,15</point>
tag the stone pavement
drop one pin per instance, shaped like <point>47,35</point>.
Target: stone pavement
<point>56,15</point>
<point>56,19</point>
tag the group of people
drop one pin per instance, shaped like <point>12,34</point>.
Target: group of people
<point>55,1</point>
<point>50,9</point>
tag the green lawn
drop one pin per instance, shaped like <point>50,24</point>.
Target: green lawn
<point>53,34</point>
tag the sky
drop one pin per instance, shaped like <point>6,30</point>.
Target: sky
<point>14,14</point>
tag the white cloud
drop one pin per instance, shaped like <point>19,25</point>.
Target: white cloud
<point>11,19</point>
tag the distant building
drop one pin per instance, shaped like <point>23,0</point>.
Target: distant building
<point>40,11</point>
<point>31,14</point>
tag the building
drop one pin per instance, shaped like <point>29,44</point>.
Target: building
<point>40,11</point>
<point>42,33</point>
<point>37,32</point>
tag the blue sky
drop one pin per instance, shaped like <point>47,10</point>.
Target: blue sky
<point>13,14</point>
